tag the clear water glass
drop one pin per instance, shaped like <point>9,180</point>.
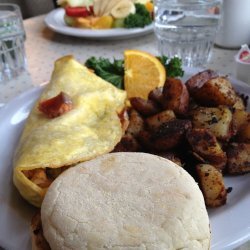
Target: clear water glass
<point>12,37</point>
<point>187,29</point>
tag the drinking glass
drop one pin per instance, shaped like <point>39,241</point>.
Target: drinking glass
<point>187,29</point>
<point>12,36</point>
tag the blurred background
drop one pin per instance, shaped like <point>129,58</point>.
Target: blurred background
<point>32,8</point>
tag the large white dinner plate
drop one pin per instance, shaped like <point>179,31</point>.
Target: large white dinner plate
<point>230,224</point>
<point>54,20</point>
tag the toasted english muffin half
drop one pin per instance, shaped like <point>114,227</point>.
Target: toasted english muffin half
<point>125,201</point>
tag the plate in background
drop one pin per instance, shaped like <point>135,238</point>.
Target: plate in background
<point>55,21</point>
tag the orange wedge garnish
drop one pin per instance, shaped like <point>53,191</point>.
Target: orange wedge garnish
<point>143,73</point>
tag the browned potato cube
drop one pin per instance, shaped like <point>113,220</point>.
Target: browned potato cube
<point>212,185</point>
<point>244,133</point>
<point>144,139</point>
<point>239,104</point>
<point>239,118</point>
<point>37,237</point>
<point>144,107</point>
<point>206,147</point>
<point>127,144</point>
<point>199,79</point>
<point>214,92</point>
<point>155,121</point>
<point>175,96</point>
<point>171,156</point>
<point>238,155</point>
<point>156,95</point>
<point>168,136</point>
<point>136,123</point>
<point>218,120</point>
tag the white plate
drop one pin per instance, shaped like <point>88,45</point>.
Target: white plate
<point>54,20</point>
<point>230,224</point>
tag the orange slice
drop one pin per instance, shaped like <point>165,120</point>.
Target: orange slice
<point>143,73</point>
<point>149,6</point>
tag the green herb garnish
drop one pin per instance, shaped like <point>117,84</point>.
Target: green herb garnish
<point>172,66</point>
<point>111,72</point>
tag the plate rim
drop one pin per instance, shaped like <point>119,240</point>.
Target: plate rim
<point>113,34</point>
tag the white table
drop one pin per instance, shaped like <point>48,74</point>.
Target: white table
<point>43,47</point>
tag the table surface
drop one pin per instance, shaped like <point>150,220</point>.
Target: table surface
<point>44,46</point>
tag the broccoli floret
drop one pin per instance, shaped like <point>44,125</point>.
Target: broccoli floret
<point>140,19</point>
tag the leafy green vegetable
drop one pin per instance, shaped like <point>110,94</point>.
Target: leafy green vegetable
<point>172,66</point>
<point>140,19</point>
<point>111,72</point>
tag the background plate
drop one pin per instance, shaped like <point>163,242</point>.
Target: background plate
<point>230,224</point>
<point>54,20</point>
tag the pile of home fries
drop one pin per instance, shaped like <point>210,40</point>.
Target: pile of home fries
<point>202,125</point>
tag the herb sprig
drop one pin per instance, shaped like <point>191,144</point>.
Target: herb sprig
<point>172,66</point>
<point>112,72</point>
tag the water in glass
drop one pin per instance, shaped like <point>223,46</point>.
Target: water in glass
<point>12,36</point>
<point>187,29</point>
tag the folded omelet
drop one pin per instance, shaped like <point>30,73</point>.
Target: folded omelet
<point>92,127</point>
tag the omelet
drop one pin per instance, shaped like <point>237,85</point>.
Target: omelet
<point>92,127</point>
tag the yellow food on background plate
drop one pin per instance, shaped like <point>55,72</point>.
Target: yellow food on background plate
<point>88,127</point>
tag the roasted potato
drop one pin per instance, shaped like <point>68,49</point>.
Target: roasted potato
<point>155,121</point>
<point>136,123</point>
<point>144,107</point>
<point>156,95</point>
<point>212,185</point>
<point>214,92</point>
<point>144,138</point>
<point>127,144</point>
<point>168,136</point>
<point>175,96</point>
<point>171,156</point>
<point>198,80</point>
<point>243,134</point>
<point>239,104</point>
<point>206,147</point>
<point>37,237</point>
<point>218,120</point>
<point>238,158</point>
<point>239,118</point>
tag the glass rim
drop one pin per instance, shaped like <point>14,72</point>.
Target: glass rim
<point>12,7</point>
<point>16,6</point>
